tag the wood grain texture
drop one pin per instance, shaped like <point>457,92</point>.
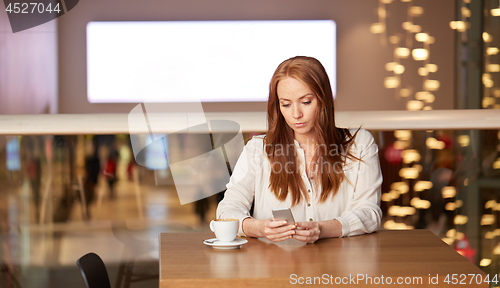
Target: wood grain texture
<point>186,262</point>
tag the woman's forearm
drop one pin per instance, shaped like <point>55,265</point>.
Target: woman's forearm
<point>252,227</point>
<point>330,228</point>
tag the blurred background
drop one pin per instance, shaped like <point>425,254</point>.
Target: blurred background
<point>62,196</point>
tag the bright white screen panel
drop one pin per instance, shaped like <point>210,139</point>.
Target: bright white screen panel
<point>193,61</point>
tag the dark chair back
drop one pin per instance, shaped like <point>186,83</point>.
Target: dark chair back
<point>93,271</point>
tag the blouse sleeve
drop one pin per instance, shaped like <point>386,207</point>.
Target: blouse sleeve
<point>240,191</point>
<point>363,214</point>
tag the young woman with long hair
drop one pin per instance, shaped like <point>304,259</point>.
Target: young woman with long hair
<point>329,176</point>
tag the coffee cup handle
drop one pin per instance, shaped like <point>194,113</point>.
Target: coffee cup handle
<point>212,226</point>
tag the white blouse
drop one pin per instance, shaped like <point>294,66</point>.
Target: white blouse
<point>356,204</point>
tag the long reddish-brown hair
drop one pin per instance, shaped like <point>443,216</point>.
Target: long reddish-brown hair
<point>280,136</point>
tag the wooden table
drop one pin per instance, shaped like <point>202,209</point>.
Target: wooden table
<point>414,256</point>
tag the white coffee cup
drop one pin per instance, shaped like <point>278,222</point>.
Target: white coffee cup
<point>225,229</point>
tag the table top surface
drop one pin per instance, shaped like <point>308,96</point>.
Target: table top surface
<point>186,261</point>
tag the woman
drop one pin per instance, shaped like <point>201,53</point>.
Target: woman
<point>330,177</point>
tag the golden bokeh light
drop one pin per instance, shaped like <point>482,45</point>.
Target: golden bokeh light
<point>496,250</point>
<point>402,134</point>
<point>422,185</point>
<point>490,204</point>
<point>420,54</point>
<point>463,140</point>
<point>388,224</point>
<point>399,211</point>
<point>487,37</point>
<point>390,66</point>
<point>394,194</point>
<point>382,13</point>
<point>460,219</point>
<point>410,155</point>
<point>401,145</point>
<point>492,50</point>
<point>416,10</point>
<point>377,28</point>
<point>386,197</point>
<point>427,108</point>
<point>460,26</point>
<point>404,92</point>
<point>414,105</point>
<point>489,235</point>
<point>450,206</point>
<point>485,262</point>
<point>465,12</point>
<point>459,203</point>
<point>496,164</point>
<point>399,69</point>
<point>488,83</point>
<point>497,207</point>
<point>393,210</point>
<point>433,143</point>
<point>420,203</point>
<point>487,79</point>
<point>401,187</point>
<point>487,219</point>
<point>422,71</point>
<point>407,25</point>
<point>432,85</point>
<point>409,173</point>
<point>416,28</point>
<point>495,12</point>
<point>391,225</point>
<point>425,96</point>
<point>493,67</point>
<point>391,82</point>
<point>394,39</point>
<point>402,52</point>
<point>433,68</point>
<point>448,192</point>
<point>422,37</point>
<point>487,101</point>
<point>451,233</point>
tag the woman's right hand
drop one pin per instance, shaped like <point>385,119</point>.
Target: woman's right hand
<point>274,230</point>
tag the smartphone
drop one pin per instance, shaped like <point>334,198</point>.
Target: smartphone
<point>284,214</point>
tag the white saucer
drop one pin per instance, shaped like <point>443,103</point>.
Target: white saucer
<point>236,243</point>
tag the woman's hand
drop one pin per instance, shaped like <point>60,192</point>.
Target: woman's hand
<point>277,230</point>
<point>271,229</point>
<point>307,231</point>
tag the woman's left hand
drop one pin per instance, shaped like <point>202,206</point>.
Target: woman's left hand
<point>307,231</point>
